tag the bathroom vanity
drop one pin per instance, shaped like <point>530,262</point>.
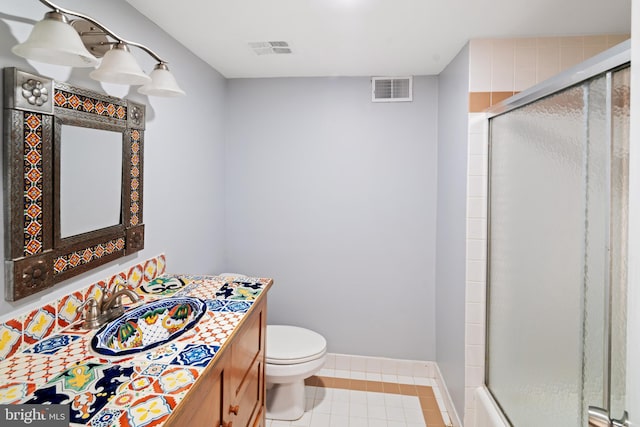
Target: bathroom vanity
<point>210,373</point>
<point>231,391</point>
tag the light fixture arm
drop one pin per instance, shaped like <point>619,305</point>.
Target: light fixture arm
<point>113,35</point>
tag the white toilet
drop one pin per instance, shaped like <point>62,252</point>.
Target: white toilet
<point>292,354</point>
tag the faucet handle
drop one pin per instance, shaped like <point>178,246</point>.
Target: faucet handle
<point>91,314</point>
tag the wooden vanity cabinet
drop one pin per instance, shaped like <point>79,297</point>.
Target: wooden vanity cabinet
<point>231,392</point>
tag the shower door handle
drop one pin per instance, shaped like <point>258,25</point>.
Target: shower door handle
<point>598,417</point>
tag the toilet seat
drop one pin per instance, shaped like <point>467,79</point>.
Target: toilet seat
<point>289,345</point>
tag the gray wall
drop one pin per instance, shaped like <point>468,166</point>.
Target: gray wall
<point>332,195</point>
<point>451,224</point>
<point>335,198</point>
<point>184,152</point>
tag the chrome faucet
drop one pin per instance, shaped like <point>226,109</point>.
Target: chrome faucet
<point>107,308</point>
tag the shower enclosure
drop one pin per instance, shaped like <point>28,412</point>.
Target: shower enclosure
<point>558,206</point>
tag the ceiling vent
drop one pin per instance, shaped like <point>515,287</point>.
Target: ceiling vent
<point>391,89</point>
<point>270,48</point>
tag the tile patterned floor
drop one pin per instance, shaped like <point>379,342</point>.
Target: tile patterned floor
<point>336,399</point>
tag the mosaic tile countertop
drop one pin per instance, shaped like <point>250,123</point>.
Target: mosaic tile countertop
<point>137,390</point>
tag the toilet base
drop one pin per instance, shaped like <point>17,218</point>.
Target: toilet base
<point>285,401</point>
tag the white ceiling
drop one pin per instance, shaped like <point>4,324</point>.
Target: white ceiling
<point>367,37</point>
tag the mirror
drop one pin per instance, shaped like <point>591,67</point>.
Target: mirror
<point>94,203</point>
<point>72,180</point>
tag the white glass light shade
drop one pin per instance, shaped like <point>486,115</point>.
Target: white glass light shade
<point>163,83</point>
<point>54,41</point>
<point>119,66</point>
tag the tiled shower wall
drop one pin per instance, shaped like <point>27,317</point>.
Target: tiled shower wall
<point>499,68</point>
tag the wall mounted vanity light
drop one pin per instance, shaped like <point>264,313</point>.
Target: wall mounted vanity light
<point>80,42</point>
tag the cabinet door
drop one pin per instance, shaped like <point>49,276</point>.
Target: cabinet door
<point>203,405</point>
<point>247,370</point>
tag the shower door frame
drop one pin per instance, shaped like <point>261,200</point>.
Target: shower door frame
<point>615,58</point>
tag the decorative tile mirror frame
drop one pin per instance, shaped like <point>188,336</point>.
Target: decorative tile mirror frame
<point>35,108</point>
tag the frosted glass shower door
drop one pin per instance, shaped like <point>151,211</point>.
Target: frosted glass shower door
<point>557,209</point>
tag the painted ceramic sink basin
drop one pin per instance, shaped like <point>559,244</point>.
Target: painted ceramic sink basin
<point>148,326</point>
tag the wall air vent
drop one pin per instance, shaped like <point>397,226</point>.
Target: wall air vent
<point>270,48</point>
<point>391,89</point>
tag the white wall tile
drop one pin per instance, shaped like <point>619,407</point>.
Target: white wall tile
<point>477,144</point>
<point>526,42</point>
<point>525,57</point>
<point>469,396</point>
<point>475,355</point>
<point>374,364</point>
<point>546,42</point>
<point>503,80</point>
<point>389,366</point>
<point>476,228</point>
<point>421,369</point>
<point>330,361</point>
<point>503,66</point>
<point>475,376</point>
<point>478,165</point>
<point>572,41</point>
<point>477,186</point>
<point>570,56</point>
<point>477,207</point>
<point>524,79</point>
<point>476,292</point>
<point>478,123</point>
<point>342,362</point>
<point>593,50</point>
<point>548,63</point>
<point>480,61</point>
<point>405,368</point>
<point>615,39</point>
<point>476,271</point>
<point>358,363</point>
<point>476,249</point>
<point>595,40</point>
<point>475,313</point>
<point>474,334</point>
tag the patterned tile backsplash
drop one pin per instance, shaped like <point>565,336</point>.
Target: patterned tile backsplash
<point>22,331</point>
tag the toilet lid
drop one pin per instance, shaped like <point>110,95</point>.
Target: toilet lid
<point>291,344</point>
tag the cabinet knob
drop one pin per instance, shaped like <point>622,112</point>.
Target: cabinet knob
<point>229,424</point>
<point>233,409</point>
